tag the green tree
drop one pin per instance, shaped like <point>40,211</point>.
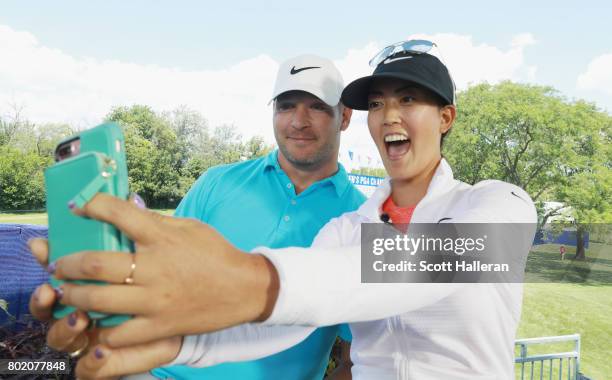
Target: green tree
<point>191,130</point>
<point>255,147</point>
<point>47,136</point>
<point>225,146</point>
<point>167,152</point>
<point>153,155</point>
<point>587,185</point>
<point>11,123</point>
<point>531,136</point>
<point>512,132</point>
<point>26,149</point>
<point>589,198</point>
<point>21,179</point>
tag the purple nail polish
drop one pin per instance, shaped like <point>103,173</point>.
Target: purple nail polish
<point>71,205</point>
<point>72,319</point>
<point>138,201</point>
<point>51,267</point>
<point>98,353</point>
<point>59,293</point>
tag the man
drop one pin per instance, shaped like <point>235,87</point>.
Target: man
<point>282,200</point>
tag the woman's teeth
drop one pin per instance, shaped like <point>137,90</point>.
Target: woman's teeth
<point>396,137</point>
<point>397,145</point>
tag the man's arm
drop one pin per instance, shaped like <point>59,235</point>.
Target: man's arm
<point>343,361</point>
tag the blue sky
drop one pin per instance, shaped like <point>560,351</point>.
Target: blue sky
<point>199,34</point>
<point>200,43</point>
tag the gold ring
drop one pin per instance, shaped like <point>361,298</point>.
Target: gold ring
<point>129,280</point>
<point>77,353</point>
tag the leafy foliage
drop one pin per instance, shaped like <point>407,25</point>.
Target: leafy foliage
<point>166,153</point>
<point>557,150</point>
<point>21,179</point>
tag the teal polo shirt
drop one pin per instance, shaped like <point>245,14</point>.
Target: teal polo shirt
<point>253,203</point>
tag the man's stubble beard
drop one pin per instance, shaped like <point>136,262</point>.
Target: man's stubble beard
<point>321,157</point>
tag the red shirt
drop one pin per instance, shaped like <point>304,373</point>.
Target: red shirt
<point>397,215</point>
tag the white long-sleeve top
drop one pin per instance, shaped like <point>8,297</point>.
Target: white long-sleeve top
<point>400,331</point>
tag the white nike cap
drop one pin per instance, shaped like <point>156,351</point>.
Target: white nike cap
<point>310,73</point>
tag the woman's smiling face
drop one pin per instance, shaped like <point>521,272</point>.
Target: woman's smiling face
<point>406,123</point>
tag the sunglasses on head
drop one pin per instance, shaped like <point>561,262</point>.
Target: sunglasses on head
<point>411,46</point>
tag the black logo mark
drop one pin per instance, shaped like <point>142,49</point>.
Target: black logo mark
<point>512,192</point>
<point>295,71</point>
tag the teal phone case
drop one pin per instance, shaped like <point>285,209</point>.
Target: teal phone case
<point>100,167</point>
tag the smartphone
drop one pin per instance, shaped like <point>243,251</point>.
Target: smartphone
<point>90,162</point>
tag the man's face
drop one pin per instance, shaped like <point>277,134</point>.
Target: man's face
<point>406,125</point>
<point>307,130</point>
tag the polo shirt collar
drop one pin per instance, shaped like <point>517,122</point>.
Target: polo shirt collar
<point>271,160</point>
<point>440,183</point>
<point>339,180</point>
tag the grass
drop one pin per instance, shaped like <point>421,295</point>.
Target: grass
<point>563,298</point>
<point>40,218</point>
<point>564,307</point>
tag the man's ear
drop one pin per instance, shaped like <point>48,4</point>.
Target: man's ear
<point>346,117</point>
<point>447,118</point>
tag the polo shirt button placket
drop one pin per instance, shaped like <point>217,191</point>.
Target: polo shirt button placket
<point>286,218</point>
<point>293,202</point>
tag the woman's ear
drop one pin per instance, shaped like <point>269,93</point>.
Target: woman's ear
<point>447,118</point>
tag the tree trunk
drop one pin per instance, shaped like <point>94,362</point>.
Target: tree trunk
<point>580,243</point>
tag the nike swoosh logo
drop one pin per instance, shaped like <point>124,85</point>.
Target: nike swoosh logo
<point>295,71</point>
<point>443,219</point>
<point>389,60</point>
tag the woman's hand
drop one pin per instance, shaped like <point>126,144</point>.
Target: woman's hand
<point>187,279</point>
<point>70,334</point>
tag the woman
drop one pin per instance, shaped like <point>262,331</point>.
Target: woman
<point>400,330</point>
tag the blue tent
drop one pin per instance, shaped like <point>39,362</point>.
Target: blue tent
<point>566,237</point>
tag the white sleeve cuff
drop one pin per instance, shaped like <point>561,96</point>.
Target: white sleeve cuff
<point>311,282</point>
<point>283,312</point>
<point>240,343</point>
<point>190,346</point>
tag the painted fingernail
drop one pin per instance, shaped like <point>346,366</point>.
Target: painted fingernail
<point>71,205</point>
<point>72,319</point>
<point>59,293</point>
<point>98,353</point>
<point>138,201</point>
<point>51,267</point>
